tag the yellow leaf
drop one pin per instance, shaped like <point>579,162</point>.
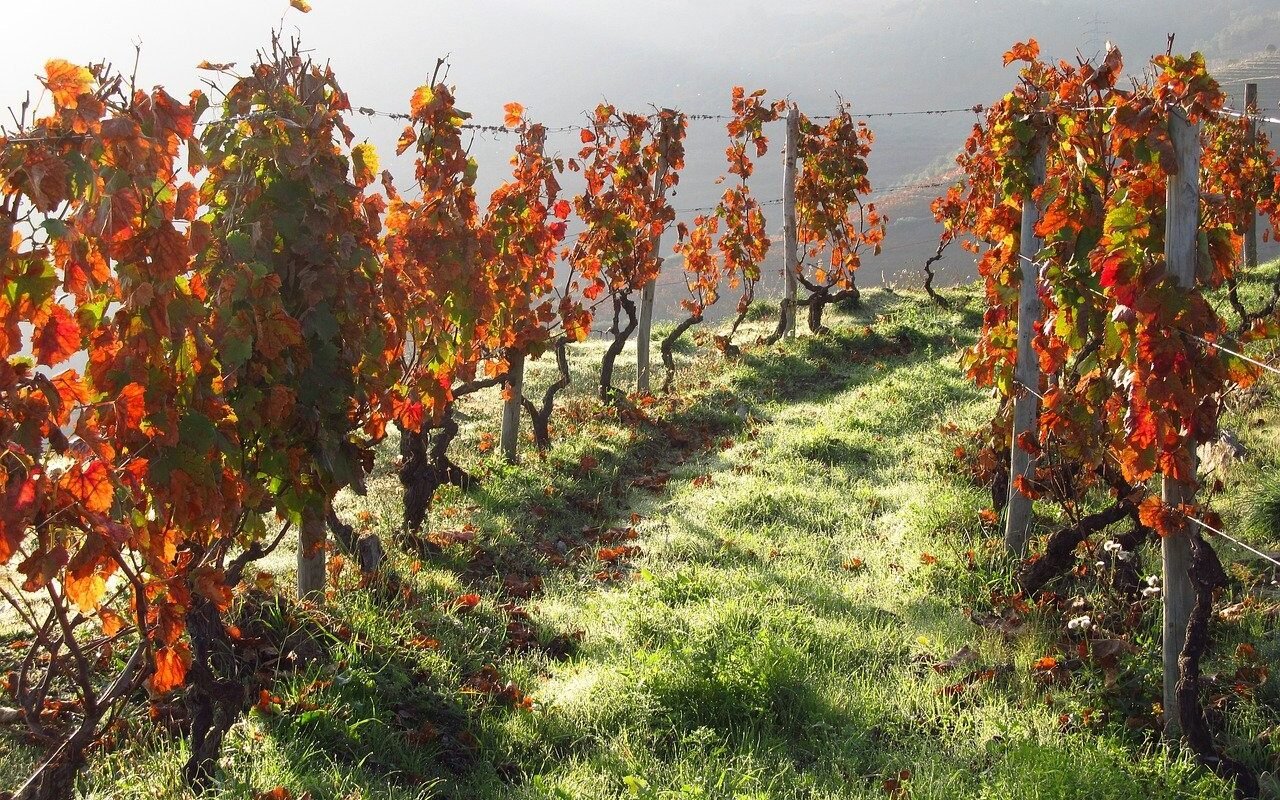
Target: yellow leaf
<point>422,97</point>
<point>364,163</point>
<point>301,5</point>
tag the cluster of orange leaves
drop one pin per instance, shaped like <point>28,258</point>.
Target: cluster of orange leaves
<point>628,162</point>
<point>1125,389</point>
<point>745,241</point>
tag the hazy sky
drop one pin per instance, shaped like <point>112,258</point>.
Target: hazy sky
<point>558,58</point>
<point>563,56</point>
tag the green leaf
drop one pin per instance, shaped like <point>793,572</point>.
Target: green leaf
<point>196,431</point>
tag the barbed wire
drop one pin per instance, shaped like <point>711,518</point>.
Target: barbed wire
<point>1246,115</point>
<point>1234,540</point>
<point>1215,344</point>
<point>1208,343</point>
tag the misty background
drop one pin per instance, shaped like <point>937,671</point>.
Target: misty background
<point>560,58</point>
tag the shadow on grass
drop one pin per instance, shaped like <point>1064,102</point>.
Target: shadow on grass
<point>391,715</point>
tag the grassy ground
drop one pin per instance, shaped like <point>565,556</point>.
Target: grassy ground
<point>756,588</point>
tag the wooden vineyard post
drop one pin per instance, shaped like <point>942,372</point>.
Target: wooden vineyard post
<point>511,408</point>
<point>311,552</point>
<point>649,292</point>
<point>790,244</point>
<point>514,384</point>
<point>1251,223</point>
<point>1181,248</point>
<point>1026,372</point>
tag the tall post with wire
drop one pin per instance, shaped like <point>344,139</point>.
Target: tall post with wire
<point>1251,135</point>
<point>513,393</point>
<point>513,386</point>
<point>1026,371</point>
<point>312,537</point>
<point>790,235</point>
<point>644,330</point>
<point>1181,249</point>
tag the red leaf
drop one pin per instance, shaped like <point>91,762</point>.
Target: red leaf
<point>58,338</point>
<point>90,484</point>
<point>131,406</point>
<point>1023,51</point>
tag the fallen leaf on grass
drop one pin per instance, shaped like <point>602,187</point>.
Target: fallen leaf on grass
<point>965,655</point>
<point>464,603</point>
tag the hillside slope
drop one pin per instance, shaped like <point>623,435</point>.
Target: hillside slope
<point>766,585</point>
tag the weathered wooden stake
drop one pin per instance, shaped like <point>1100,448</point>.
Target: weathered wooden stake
<point>644,329</point>
<point>515,360</point>
<point>511,406</point>
<point>1026,372</point>
<point>1251,221</point>
<point>1181,250</point>
<point>790,244</point>
<point>311,552</point>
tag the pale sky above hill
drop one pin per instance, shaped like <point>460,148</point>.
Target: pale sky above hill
<point>559,58</point>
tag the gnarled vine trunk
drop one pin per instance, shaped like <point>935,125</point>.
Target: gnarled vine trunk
<point>425,466</point>
<point>668,358</point>
<point>784,306</point>
<point>1060,551</point>
<point>219,691</point>
<point>929,276</point>
<point>622,303</point>
<point>540,415</point>
<point>1206,576</point>
<point>424,458</point>
<point>55,778</point>
<point>823,297</point>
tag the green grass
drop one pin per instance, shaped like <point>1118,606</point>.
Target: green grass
<point>775,636</point>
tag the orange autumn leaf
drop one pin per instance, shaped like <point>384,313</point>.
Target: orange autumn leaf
<point>171,668</point>
<point>422,97</point>
<point>84,591</point>
<point>89,483</point>
<point>301,5</point>
<point>72,389</point>
<point>514,115</point>
<point>406,140</point>
<point>1153,513</point>
<point>112,623</point>
<point>1023,51</point>
<point>1044,664</point>
<point>66,81</point>
<point>928,558</point>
